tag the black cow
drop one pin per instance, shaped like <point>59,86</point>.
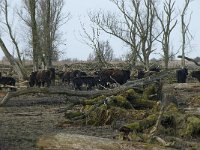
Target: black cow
<point>155,68</point>
<point>32,78</point>
<point>77,73</point>
<point>140,74</point>
<point>196,74</point>
<point>40,78</point>
<point>152,70</point>
<point>66,77</point>
<point>70,75</point>
<point>181,75</point>
<point>7,81</point>
<point>110,76</point>
<point>89,81</point>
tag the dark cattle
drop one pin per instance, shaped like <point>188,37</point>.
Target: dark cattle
<point>66,77</point>
<point>155,69</point>
<point>60,75</point>
<point>196,74</point>
<point>181,75</point>
<point>77,73</point>
<point>32,78</point>
<point>52,75</point>
<point>89,81</point>
<point>152,70</point>
<point>141,74</point>
<point>70,75</point>
<point>8,81</point>
<point>40,78</point>
<point>110,76</point>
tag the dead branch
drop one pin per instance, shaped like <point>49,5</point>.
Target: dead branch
<point>190,59</point>
<point>163,142</point>
<point>27,114</point>
<point>87,94</point>
<point>8,86</point>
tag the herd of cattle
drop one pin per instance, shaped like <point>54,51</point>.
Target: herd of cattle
<point>101,79</point>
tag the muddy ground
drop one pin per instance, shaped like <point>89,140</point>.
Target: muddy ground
<point>24,119</point>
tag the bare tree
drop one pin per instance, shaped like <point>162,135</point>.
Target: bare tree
<point>48,18</point>
<point>105,51</point>
<point>135,27</point>
<point>184,30</point>
<point>145,27</point>
<point>49,24</point>
<point>166,19</point>
<point>93,41</point>
<point>31,4</point>
<point>17,64</point>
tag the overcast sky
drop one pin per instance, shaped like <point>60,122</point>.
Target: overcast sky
<point>74,48</point>
<point>79,9</point>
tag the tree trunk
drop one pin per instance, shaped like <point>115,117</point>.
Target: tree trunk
<point>35,38</point>
<point>20,70</point>
<point>48,43</point>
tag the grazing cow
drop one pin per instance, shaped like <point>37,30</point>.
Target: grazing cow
<point>181,75</point>
<point>70,75</point>
<point>39,78</point>
<point>109,76</point>
<point>7,81</point>
<point>196,74</point>
<point>89,81</point>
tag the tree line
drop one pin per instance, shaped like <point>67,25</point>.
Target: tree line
<point>139,24</point>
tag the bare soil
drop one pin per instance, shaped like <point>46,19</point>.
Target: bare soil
<point>26,118</point>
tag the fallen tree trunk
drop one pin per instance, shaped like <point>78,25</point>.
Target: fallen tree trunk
<point>87,94</point>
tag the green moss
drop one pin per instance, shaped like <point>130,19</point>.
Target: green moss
<point>130,94</point>
<point>102,115</point>
<point>144,104</point>
<point>133,126</point>
<point>73,114</point>
<point>193,126</point>
<point>195,101</point>
<point>86,108</point>
<point>138,114</point>
<point>90,120</point>
<point>94,100</point>
<point>139,126</point>
<point>150,90</point>
<point>172,108</point>
<point>117,112</point>
<point>135,137</point>
<point>120,101</point>
<point>148,122</point>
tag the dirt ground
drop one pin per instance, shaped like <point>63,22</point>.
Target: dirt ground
<point>24,119</point>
